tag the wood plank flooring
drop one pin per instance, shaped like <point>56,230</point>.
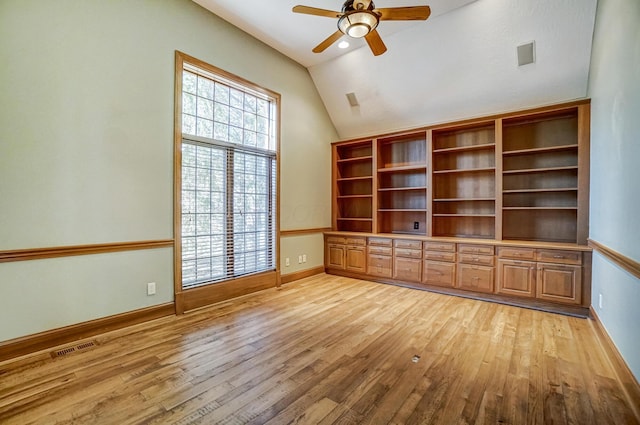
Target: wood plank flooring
<point>328,350</point>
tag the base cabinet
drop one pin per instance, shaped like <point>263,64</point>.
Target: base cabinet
<point>475,278</point>
<point>559,283</point>
<point>439,274</point>
<point>538,273</point>
<point>335,256</point>
<point>516,278</point>
<point>356,259</point>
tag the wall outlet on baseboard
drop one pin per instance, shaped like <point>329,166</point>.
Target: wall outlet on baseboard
<point>287,262</point>
<point>304,258</point>
<point>151,288</point>
<point>299,259</point>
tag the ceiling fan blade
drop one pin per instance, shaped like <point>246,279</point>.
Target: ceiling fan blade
<point>409,13</point>
<point>328,42</point>
<point>317,12</point>
<point>375,43</point>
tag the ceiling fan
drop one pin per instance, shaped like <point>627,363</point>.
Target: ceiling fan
<point>359,18</point>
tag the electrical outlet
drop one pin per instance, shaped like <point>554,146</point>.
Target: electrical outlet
<point>416,225</point>
<point>151,288</point>
<point>299,259</point>
<point>600,301</point>
<point>287,262</point>
<point>304,258</point>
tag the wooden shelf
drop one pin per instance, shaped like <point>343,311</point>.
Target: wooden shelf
<point>355,159</point>
<point>541,150</point>
<point>401,189</point>
<point>463,199</point>
<point>544,190</point>
<point>466,170</point>
<point>354,219</point>
<point>352,179</point>
<point>465,148</point>
<point>402,209</point>
<point>538,208</point>
<point>403,168</point>
<point>540,170</point>
<point>354,196</point>
<point>464,215</point>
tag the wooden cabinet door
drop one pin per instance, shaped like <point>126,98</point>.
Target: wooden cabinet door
<point>475,278</point>
<point>559,283</point>
<point>335,257</point>
<point>407,269</point>
<point>440,274</point>
<point>356,259</point>
<point>516,278</point>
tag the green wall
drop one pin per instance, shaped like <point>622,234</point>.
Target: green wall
<point>86,149</point>
<point>614,87</point>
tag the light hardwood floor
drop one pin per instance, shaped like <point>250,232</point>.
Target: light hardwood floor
<point>328,350</point>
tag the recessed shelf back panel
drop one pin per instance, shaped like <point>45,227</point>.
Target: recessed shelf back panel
<point>539,131</point>
<point>403,151</point>
<point>354,169</point>
<point>402,222</point>
<point>547,180</point>
<point>413,199</point>
<point>354,151</point>
<point>464,137</point>
<point>355,187</point>
<point>355,208</point>
<point>464,160</point>
<point>464,185</point>
<point>540,225</point>
<point>525,161</point>
<point>464,227</point>
<point>565,199</point>
<point>464,207</point>
<point>413,178</point>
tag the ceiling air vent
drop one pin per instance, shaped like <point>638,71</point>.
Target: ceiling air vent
<point>353,101</point>
<point>526,53</point>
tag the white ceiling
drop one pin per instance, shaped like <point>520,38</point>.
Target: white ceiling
<point>460,63</point>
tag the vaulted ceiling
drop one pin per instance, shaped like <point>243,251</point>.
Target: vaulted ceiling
<point>460,63</point>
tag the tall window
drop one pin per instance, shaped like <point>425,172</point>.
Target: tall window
<point>228,178</point>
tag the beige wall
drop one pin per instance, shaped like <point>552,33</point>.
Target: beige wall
<point>86,134</point>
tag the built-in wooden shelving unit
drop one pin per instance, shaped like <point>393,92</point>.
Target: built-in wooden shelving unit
<point>518,176</point>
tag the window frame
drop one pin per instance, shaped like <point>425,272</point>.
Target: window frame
<point>188,299</point>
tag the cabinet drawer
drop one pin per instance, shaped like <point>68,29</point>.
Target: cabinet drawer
<point>517,253</point>
<point>476,249</point>
<point>356,241</point>
<point>558,256</point>
<point>440,274</point>
<point>380,242</point>
<point>475,278</point>
<point>336,240</point>
<point>440,246</point>
<point>484,260</point>
<point>407,269</point>
<point>380,250</point>
<point>379,265</point>
<point>402,243</point>
<point>410,253</point>
<point>440,256</point>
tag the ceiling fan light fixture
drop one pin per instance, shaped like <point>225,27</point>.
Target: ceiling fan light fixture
<point>358,23</point>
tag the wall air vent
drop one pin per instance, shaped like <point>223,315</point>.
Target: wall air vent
<point>526,53</point>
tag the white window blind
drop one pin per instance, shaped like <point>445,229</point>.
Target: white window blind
<point>228,177</point>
